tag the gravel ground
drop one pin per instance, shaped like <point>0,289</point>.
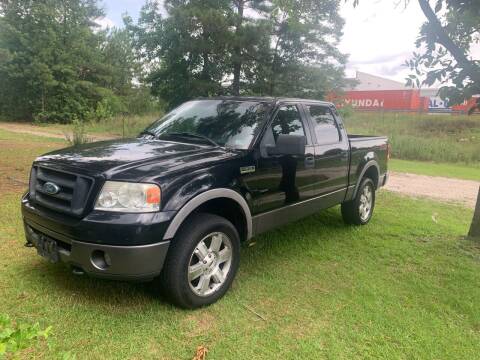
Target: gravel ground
<point>438,188</point>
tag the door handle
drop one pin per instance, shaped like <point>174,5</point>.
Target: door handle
<point>309,161</point>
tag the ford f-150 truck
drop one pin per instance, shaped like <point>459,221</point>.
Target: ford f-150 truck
<point>174,204</point>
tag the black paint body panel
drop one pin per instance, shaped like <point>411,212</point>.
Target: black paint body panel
<point>325,176</point>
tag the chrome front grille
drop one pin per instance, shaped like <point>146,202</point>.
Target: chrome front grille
<point>72,190</point>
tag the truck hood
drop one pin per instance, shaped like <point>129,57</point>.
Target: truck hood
<point>125,156</point>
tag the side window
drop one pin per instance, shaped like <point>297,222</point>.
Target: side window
<point>288,122</point>
<point>324,123</point>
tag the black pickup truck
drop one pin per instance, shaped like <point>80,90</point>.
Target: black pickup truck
<point>175,203</point>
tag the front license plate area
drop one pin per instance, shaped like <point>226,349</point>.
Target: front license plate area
<point>47,248</point>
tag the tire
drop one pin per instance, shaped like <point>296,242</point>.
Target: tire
<point>359,211</point>
<point>194,274</point>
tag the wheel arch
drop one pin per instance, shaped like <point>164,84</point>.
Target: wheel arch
<point>233,204</point>
<point>371,170</point>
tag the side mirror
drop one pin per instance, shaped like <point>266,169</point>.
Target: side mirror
<point>288,145</point>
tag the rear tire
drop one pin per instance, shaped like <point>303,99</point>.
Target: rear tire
<point>202,261</point>
<point>359,211</point>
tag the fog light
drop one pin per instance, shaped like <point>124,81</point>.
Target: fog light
<point>101,260</point>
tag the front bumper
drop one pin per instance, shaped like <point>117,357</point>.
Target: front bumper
<point>140,263</point>
<point>100,256</point>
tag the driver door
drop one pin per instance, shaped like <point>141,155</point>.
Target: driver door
<point>281,180</point>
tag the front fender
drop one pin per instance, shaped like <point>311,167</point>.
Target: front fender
<point>202,198</point>
<point>186,188</point>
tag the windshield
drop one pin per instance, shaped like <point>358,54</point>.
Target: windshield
<point>227,123</point>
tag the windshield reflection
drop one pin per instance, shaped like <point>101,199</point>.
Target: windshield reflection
<point>228,123</point>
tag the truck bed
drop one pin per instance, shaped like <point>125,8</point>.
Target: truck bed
<point>365,148</point>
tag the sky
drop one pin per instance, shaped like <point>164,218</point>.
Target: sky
<point>378,35</point>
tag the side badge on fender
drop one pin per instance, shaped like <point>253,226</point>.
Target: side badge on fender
<point>247,169</point>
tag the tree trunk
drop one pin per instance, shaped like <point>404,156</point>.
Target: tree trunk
<point>237,51</point>
<point>273,71</point>
<point>475,226</point>
<point>205,74</point>
<point>43,98</point>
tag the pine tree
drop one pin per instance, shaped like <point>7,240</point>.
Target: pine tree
<point>51,67</point>
<point>185,53</point>
<point>303,59</point>
<point>248,38</point>
<point>247,47</point>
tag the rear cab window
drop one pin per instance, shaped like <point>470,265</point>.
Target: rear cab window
<point>324,124</point>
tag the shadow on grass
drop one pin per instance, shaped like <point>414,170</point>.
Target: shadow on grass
<point>58,280</point>
<point>296,237</point>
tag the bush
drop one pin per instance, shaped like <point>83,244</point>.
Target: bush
<point>103,111</point>
<point>78,136</point>
<point>140,102</point>
<point>346,111</point>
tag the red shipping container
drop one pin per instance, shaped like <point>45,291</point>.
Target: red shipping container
<point>466,106</point>
<point>407,100</point>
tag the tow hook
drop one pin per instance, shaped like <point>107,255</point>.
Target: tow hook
<point>77,271</point>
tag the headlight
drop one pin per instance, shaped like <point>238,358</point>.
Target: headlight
<point>128,197</point>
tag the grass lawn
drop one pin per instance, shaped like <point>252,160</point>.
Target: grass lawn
<point>424,137</point>
<point>467,172</point>
<point>117,126</point>
<point>405,286</point>
<point>17,152</point>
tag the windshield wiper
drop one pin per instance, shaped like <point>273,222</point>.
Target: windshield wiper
<point>192,135</point>
<point>148,132</point>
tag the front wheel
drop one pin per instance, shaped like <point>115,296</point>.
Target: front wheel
<point>202,261</point>
<point>359,210</point>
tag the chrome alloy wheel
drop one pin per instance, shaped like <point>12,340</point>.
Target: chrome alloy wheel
<point>366,200</point>
<point>210,264</point>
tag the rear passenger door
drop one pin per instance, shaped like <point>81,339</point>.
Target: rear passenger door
<point>331,149</point>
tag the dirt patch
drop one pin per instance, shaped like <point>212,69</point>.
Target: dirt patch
<point>438,188</point>
<point>39,131</point>
<point>11,184</point>
<point>16,158</point>
<point>200,323</point>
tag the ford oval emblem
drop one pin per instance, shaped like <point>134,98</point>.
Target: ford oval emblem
<point>50,188</point>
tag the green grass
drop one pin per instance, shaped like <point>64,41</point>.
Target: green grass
<point>401,287</point>
<point>17,152</point>
<point>405,286</point>
<point>437,138</point>
<point>467,172</point>
<point>118,126</point>
<point>122,126</point>
<point>7,137</point>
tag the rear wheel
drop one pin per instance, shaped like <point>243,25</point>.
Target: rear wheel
<point>202,261</point>
<point>359,211</point>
